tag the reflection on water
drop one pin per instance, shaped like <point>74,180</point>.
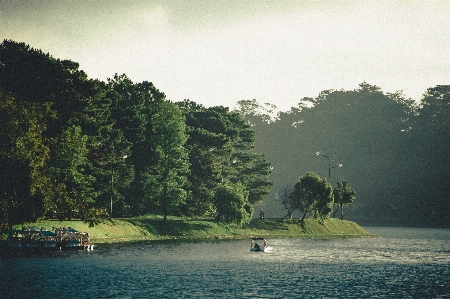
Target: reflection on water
<point>403,263</point>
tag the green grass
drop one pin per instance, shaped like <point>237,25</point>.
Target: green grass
<point>153,228</point>
<point>292,228</point>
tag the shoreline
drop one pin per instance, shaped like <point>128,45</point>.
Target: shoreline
<point>179,229</point>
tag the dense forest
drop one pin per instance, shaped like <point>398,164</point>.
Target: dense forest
<point>393,151</point>
<point>75,147</point>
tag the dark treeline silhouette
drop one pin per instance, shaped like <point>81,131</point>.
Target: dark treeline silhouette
<point>74,147</point>
<point>394,152</point>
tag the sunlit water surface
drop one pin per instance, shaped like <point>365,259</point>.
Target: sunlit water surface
<point>403,263</point>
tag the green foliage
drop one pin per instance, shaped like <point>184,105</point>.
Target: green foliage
<point>255,113</point>
<point>231,201</point>
<point>253,171</point>
<point>81,109</point>
<point>343,195</point>
<point>72,185</point>
<point>374,135</point>
<point>88,148</point>
<point>165,185</point>
<point>133,107</point>
<point>427,154</point>
<point>122,168</point>
<point>17,203</point>
<point>313,195</point>
<point>207,148</point>
<point>436,111</point>
<point>36,76</point>
<point>219,148</point>
<point>23,155</point>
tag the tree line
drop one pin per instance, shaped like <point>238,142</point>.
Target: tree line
<point>394,151</point>
<point>75,147</point>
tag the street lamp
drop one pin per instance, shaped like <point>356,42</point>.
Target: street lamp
<point>112,178</point>
<point>112,181</point>
<point>329,164</point>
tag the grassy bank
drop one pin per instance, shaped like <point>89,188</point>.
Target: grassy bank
<point>122,230</point>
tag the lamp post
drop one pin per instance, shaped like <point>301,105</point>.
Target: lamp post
<point>112,179</point>
<point>329,164</point>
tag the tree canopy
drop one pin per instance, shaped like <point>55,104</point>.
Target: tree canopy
<point>232,203</point>
<point>394,151</point>
<point>312,195</point>
<point>343,195</point>
<point>166,180</point>
<point>91,150</point>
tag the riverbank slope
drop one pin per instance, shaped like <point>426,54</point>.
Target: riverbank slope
<point>136,229</point>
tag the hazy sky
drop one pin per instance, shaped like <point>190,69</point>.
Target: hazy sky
<point>220,52</point>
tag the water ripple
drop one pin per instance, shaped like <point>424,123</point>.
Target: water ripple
<point>416,266</point>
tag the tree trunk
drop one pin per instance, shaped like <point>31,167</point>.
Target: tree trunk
<point>165,203</point>
<point>304,215</point>
<point>10,220</point>
<point>335,211</point>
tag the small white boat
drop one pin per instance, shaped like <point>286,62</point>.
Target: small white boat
<point>263,247</point>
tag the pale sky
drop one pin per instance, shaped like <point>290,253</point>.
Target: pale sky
<point>220,52</point>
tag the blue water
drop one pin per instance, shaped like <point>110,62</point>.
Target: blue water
<point>403,263</point>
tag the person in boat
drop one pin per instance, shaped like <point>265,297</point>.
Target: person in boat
<point>258,247</point>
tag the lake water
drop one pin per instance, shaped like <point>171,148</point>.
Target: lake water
<point>403,263</point>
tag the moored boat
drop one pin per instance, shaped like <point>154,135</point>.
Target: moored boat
<point>35,239</point>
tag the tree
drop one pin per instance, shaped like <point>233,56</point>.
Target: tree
<point>72,186</point>
<point>23,157</point>
<point>128,107</point>
<point>370,133</point>
<point>38,77</point>
<point>105,144</point>
<point>209,146</point>
<point>428,153</point>
<point>287,201</point>
<point>204,140</point>
<point>165,183</point>
<point>220,144</point>
<point>231,201</point>
<point>435,111</point>
<point>76,101</point>
<point>238,163</point>
<point>253,171</point>
<point>122,173</point>
<point>255,113</point>
<point>343,195</point>
<point>132,109</point>
<point>313,195</point>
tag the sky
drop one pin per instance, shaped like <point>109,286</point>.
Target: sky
<point>220,52</point>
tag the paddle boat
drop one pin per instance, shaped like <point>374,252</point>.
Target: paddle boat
<point>256,247</point>
<point>36,239</point>
<point>71,239</point>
